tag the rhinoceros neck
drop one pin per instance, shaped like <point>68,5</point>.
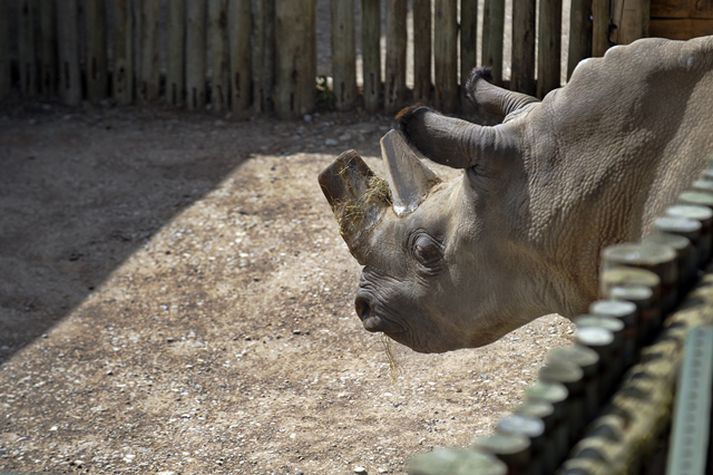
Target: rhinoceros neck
<point>587,190</point>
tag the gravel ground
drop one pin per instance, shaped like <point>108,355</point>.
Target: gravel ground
<point>176,299</point>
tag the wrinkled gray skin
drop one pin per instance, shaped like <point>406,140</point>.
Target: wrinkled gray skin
<point>519,234</point>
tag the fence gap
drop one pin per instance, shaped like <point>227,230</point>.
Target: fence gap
<point>549,46</point>
<point>493,30</point>
<point>395,85</point>
<point>176,69</point>
<point>295,69</point>
<point>26,48</point>
<point>195,54</point>
<point>123,70</point>
<point>218,36</point>
<point>371,52</point>
<point>580,33</point>
<point>343,54</point>
<point>631,18</point>
<point>239,28</point>
<point>96,67</point>
<point>445,48</point>
<point>263,41</point>
<point>149,79</point>
<point>468,43</point>
<point>600,27</point>
<point>70,88</point>
<point>522,61</point>
<point>47,73</point>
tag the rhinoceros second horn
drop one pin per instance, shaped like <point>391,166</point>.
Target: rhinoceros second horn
<point>409,178</point>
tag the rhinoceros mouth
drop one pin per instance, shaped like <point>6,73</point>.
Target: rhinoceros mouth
<point>372,317</point>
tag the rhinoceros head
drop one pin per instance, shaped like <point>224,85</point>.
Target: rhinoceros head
<point>431,265</point>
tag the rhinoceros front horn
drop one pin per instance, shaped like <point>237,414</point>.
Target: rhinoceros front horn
<point>358,199</point>
<point>409,178</point>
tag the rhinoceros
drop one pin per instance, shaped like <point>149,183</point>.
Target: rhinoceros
<point>458,263</point>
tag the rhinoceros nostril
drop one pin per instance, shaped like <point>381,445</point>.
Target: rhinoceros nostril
<point>362,307</point>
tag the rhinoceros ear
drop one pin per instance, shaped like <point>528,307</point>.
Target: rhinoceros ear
<point>409,178</point>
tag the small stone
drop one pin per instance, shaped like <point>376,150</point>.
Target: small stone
<point>170,339</point>
<point>296,332</point>
<point>330,142</point>
<point>345,137</point>
<point>360,469</point>
<point>382,470</point>
<point>54,429</point>
<point>166,472</point>
<point>307,118</point>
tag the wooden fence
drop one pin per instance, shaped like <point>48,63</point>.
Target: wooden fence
<point>259,56</point>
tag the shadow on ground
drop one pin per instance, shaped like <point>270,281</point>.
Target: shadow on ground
<point>80,191</point>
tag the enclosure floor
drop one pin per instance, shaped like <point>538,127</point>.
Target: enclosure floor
<point>175,297</point>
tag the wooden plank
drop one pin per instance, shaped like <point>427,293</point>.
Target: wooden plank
<point>96,67</point>
<point>632,20</point>
<point>218,47</point>
<point>672,8</point>
<point>395,85</point>
<point>5,70</point>
<point>26,47</point>
<point>47,74</point>
<point>176,69</point>
<point>680,29</point>
<point>522,61</point>
<point>468,42</point>
<point>343,54</point>
<point>149,79</point>
<point>371,51</point>
<point>600,27</point>
<point>294,70</point>
<point>239,29</point>
<point>195,54</point>
<point>70,88</point>
<point>580,33</point>
<point>702,9</point>
<point>493,29</point>
<point>263,55</point>
<point>549,46</point>
<point>445,54</point>
<point>123,69</point>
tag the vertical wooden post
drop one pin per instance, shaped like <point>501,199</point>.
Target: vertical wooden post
<point>549,46</point>
<point>445,48</point>
<point>263,63</point>
<point>631,18</point>
<point>149,41</point>
<point>5,78</point>
<point>580,33</point>
<point>26,48</point>
<point>176,70</point>
<point>523,47</point>
<point>68,40</point>
<point>493,29</point>
<point>295,67</point>
<point>395,87</point>
<point>123,71</point>
<point>468,41</point>
<point>239,29</point>
<point>47,48</point>
<point>600,27</point>
<point>195,54</point>
<point>96,71</point>
<point>343,54</point>
<point>371,51</point>
<point>218,37</point>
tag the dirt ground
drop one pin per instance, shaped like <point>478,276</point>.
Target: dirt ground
<point>175,298</point>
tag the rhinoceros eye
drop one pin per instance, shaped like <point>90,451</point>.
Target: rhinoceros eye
<point>427,250</point>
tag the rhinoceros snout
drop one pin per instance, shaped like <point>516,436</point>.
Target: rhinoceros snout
<point>364,309</point>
